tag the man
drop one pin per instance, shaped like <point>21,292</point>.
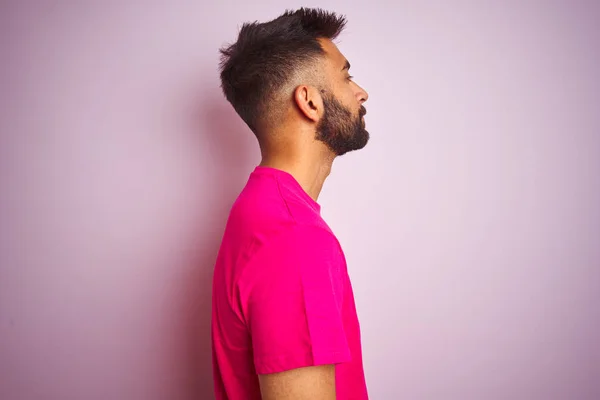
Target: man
<point>284,323</point>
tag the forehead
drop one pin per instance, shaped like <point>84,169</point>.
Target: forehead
<point>333,54</point>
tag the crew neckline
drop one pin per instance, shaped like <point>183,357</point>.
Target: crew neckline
<point>278,173</point>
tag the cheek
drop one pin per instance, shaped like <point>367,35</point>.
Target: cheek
<point>350,100</point>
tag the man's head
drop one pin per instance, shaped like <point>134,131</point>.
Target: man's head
<point>289,70</point>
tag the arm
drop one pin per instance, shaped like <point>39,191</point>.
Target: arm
<point>308,383</point>
<point>291,297</point>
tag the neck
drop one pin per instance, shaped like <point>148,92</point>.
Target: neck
<point>310,167</point>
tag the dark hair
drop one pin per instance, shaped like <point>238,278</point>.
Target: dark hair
<point>266,55</point>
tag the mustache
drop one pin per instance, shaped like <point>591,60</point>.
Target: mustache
<point>363,111</point>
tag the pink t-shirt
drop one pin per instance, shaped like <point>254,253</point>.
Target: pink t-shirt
<point>282,298</point>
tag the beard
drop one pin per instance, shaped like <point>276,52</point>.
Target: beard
<point>339,129</point>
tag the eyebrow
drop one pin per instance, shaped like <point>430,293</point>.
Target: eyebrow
<point>346,66</point>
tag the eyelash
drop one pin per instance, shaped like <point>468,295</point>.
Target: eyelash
<point>350,78</point>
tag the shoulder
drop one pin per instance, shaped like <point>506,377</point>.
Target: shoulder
<point>303,240</point>
<point>296,253</point>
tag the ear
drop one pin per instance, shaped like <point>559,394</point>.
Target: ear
<point>309,102</point>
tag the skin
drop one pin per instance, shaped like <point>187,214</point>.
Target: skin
<point>309,383</point>
<point>293,147</point>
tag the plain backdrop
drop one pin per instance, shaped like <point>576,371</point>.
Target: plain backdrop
<point>471,221</point>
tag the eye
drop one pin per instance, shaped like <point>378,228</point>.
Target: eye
<point>350,77</point>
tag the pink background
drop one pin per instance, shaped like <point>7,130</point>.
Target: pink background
<point>471,222</point>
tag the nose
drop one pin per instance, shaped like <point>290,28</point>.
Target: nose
<point>361,95</point>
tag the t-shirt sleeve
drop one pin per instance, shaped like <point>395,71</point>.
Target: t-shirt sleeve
<point>292,296</point>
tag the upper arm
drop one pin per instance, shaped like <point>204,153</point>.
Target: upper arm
<point>292,297</point>
<point>308,383</point>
